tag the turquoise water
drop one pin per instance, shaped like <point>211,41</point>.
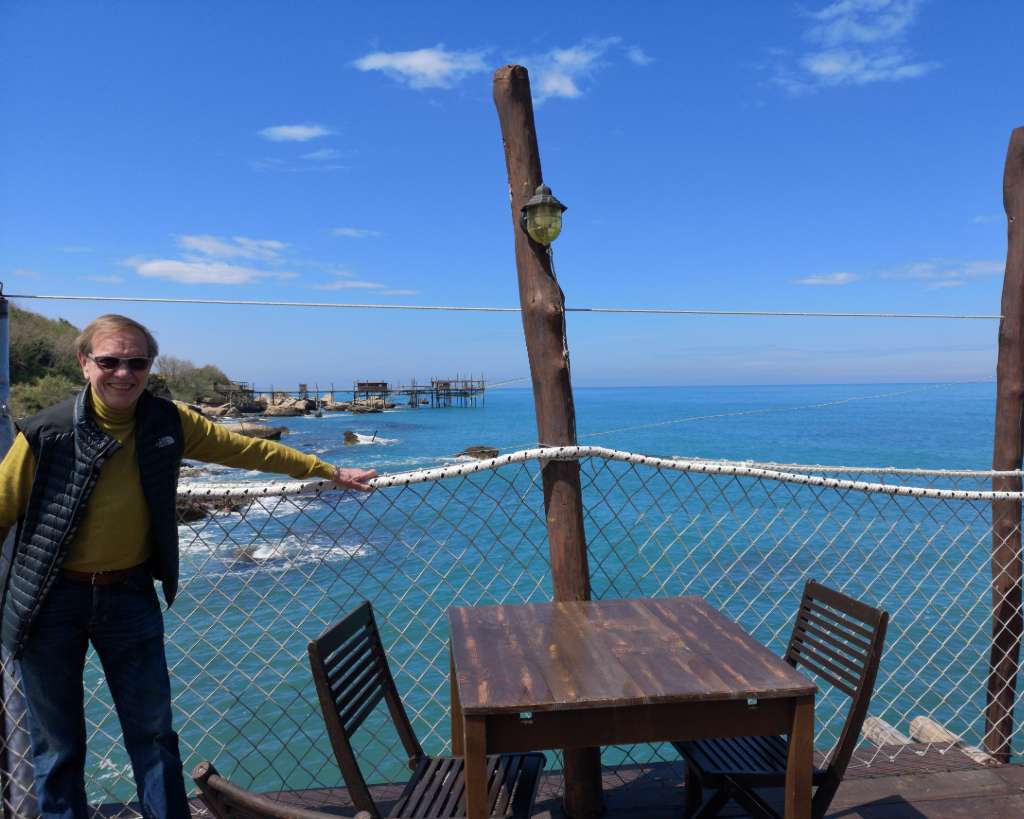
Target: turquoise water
<point>238,632</point>
<point>915,425</point>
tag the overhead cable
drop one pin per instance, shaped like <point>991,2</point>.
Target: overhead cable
<point>663,311</point>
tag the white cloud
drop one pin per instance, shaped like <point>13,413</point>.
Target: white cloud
<point>356,233</point>
<point>323,153</point>
<point>200,272</point>
<point>989,267</point>
<point>349,284</point>
<point>638,56</point>
<point>946,270</point>
<point>237,247</point>
<point>829,279</point>
<point>400,292</point>
<point>259,248</point>
<point>561,72</point>
<point>23,273</point>
<point>105,279</point>
<point>987,218</point>
<point>854,67</point>
<point>863,21</point>
<point>76,249</point>
<point>426,67</point>
<point>857,42</point>
<point>294,133</point>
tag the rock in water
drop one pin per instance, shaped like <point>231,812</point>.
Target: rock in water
<point>193,508</point>
<point>258,430</point>
<point>480,452</point>
<point>283,411</point>
<point>351,437</point>
<point>246,554</point>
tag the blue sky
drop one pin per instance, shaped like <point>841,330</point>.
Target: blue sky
<point>809,156</point>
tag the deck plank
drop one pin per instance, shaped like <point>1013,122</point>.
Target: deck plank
<point>904,787</point>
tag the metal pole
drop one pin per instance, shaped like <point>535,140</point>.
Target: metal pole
<point>6,431</point>
<point>16,770</point>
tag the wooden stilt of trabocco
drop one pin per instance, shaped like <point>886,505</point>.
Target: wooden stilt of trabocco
<point>1009,437</point>
<point>543,311</point>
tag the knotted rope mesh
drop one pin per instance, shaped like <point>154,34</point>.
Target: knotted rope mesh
<point>275,566</point>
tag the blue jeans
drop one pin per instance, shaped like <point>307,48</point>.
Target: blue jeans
<point>124,623</point>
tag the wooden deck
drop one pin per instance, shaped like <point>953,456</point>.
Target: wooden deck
<point>914,785</point>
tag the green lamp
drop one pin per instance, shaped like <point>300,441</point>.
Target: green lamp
<point>541,217</point>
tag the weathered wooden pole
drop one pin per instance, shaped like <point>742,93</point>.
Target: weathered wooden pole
<point>1008,451</point>
<point>543,312</point>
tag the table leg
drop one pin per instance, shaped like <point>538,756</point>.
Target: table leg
<point>475,736</point>
<point>583,797</point>
<point>456,706</point>
<point>800,764</point>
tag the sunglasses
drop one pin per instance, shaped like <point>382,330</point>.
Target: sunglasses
<point>110,363</point>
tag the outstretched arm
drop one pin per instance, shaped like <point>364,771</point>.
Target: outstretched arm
<point>206,441</point>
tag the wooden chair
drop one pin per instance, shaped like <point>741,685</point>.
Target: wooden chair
<point>840,640</point>
<point>227,801</point>
<point>352,676</point>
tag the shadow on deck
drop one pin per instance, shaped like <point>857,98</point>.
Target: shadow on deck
<point>918,782</point>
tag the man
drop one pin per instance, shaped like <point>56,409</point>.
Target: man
<point>91,485</point>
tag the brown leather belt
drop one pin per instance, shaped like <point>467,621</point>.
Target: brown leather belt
<point>103,578</point>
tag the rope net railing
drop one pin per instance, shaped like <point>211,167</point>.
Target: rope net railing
<point>271,567</point>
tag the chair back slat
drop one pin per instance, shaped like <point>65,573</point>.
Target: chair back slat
<point>841,668</point>
<point>844,658</point>
<point>808,662</point>
<point>819,622</point>
<point>840,639</point>
<point>353,716</point>
<point>349,658</point>
<point>352,676</point>
<point>353,690</point>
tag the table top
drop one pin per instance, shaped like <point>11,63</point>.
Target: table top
<point>598,654</point>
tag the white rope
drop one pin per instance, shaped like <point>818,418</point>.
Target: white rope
<point>661,311</point>
<point>883,470</point>
<point>575,453</point>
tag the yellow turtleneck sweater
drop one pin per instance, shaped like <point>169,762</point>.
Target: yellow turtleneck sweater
<point>114,532</point>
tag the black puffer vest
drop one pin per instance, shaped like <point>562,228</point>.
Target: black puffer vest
<point>70,450</point>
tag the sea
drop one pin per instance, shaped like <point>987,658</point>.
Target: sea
<point>262,734</point>
<point>902,425</point>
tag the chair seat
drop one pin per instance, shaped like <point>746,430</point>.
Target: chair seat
<point>755,761</point>
<point>437,787</point>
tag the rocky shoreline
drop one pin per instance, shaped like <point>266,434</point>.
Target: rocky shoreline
<point>283,406</point>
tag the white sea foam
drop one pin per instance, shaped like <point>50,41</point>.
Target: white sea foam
<point>375,439</point>
<point>292,551</point>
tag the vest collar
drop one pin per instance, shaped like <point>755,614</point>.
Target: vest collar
<point>89,437</point>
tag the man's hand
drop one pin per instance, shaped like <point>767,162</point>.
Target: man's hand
<point>354,478</point>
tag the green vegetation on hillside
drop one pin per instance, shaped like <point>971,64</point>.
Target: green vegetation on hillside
<point>187,382</point>
<point>44,369</point>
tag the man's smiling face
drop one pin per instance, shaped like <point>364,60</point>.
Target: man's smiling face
<point>120,387</point>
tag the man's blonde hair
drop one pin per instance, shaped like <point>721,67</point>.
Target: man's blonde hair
<point>113,323</point>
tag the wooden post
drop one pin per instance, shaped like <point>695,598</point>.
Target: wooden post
<point>1009,438</point>
<point>543,312</point>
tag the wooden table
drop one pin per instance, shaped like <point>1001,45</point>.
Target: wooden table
<point>585,674</point>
